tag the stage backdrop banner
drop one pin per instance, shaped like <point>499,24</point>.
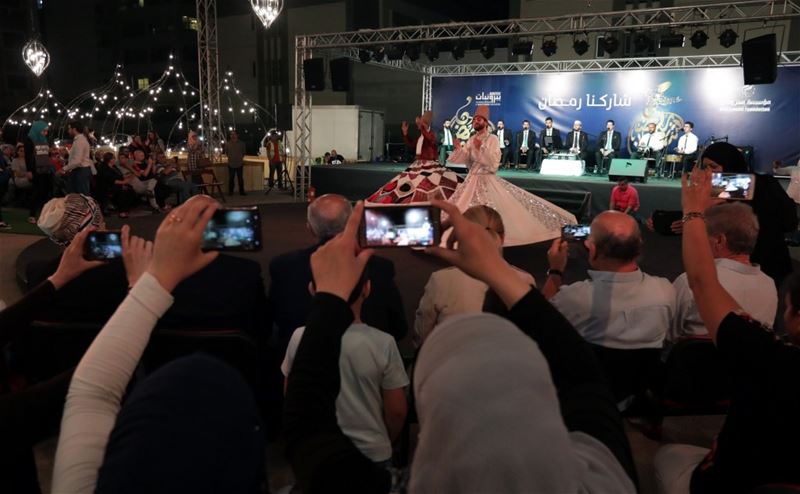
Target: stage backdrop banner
<point>766,117</point>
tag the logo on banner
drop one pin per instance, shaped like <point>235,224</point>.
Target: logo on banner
<point>747,102</point>
<point>492,98</point>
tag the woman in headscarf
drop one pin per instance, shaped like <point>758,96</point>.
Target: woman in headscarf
<point>774,209</point>
<point>37,158</point>
<point>501,410</point>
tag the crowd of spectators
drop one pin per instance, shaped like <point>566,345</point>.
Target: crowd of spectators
<point>512,388</point>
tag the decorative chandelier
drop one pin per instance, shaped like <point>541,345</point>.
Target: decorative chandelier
<point>267,10</point>
<point>36,57</point>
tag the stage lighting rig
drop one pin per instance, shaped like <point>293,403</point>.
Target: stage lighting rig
<point>413,51</point>
<point>395,52</point>
<point>458,50</point>
<point>610,43</point>
<point>580,44</point>
<point>487,49</point>
<point>549,47</point>
<point>728,38</point>
<point>432,51</point>
<point>672,40</point>
<point>642,43</point>
<point>522,48</point>
<point>699,39</point>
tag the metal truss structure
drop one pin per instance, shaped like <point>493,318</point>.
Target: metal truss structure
<point>655,18</point>
<point>302,123</point>
<point>208,68</point>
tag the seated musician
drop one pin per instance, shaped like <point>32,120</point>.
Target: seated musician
<point>577,140</point>
<point>687,147</point>
<point>649,144</point>
<point>549,142</point>
<point>608,144</point>
<point>526,139</point>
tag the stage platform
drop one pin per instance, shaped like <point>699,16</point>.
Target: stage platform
<point>361,180</point>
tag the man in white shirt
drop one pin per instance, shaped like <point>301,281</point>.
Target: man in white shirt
<point>445,142</point>
<point>371,407</point>
<point>732,231</point>
<point>79,166</point>
<point>649,143</point>
<point>619,306</point>
<point>687,147</point>
<point>505,136</point>
<point>525,143</point>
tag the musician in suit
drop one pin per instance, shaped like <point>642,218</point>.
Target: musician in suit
<point>445,142</point>
<point>608,143</point>
<point>525,143</point>
<point>506,137</point>
<point>687,147</point>
<point>549,142</point>
<point>578,140</point>
<point>290,275</point>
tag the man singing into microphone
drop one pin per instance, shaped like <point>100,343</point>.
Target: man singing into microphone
<point>578,141</point>
<point>687,147</point>
<point>608,144</point>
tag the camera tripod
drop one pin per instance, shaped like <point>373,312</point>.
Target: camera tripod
<point>283,177</point>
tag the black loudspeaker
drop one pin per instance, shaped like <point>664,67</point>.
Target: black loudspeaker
<point>633,170</point>
<point>314,74</point>
<point>283,117</point>
<point>760,60</point>
<point>340,74</point>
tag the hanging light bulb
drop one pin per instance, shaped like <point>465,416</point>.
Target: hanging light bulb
<point>267,10</point>
<point>35,56</point>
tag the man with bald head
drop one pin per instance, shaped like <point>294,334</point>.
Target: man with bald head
<point>619,306</point>
<point>290,275</point>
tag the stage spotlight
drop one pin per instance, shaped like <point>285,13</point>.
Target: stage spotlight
<point>364,56</point>
<point>432,52</point>
<point>395,52</point>
<point>610,44</point>
<point>522,48</point>
<point>458,51</point>
<point>549,47</point>
<point>728,38</point>
<point>412,51</point>
<point>487,49</point>
<point>580,44</point>
<point>642,42</point>
<point>379,54</point>
<point>673,40</point>
<point>699,39</point>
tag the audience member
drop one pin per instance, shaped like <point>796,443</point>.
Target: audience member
<point>624,198</point>
<point>79,165</point>
<point>137,144</point>
<point>290,275</point>
<point>757,443</point>
<point>466,374</point>
<point>37,160</point>
<point>106,447</point>
<point>371,406</point>
<point>144,179</point>
<point>114,188</point>
<point>169,175</point>
<point>732,230</point>
<point>195,157</point>
<point>23,179</point>
<point>450,291</point>
<point>5,177</point>
<point>619,306</point>
<point>235,150</point>
<point>154,144</point>
<point>33,414</point>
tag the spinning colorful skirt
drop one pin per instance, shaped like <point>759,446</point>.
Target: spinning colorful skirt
<point>423,181</point>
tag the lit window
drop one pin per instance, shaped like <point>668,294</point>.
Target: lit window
<point>190,23</point>
<point>142,83</point>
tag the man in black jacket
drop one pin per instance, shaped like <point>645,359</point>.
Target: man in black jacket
<point>578,140</point>
<point>549,142</point>
<point>290,275</point>
<point>525,145</point>
<point>608,143</point>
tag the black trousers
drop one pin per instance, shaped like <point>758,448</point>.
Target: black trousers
<point>603,163</point>
<point>540,156</point>
<point>275,167</point>
<point>235,171</point>
<point>42,191</point>
<point>687,162</point>
<point>504,152</point>
<point>528,158</point>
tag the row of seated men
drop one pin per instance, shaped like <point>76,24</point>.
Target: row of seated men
<point>619,307</point>
<point>523,147</point>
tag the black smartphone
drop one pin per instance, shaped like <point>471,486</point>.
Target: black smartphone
<point>739,186</point>
<point>103,246</point>
<point>415,225</point>
<point>575,232</point>
<point>663,220</point>
<point>235,229</point>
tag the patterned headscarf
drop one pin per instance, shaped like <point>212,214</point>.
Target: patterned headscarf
<point>64,217</point>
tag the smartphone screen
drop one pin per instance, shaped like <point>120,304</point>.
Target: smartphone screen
<point>575,232</point>
<point>400,226</point>
<point>733,186</point>
<point>103,246</point>
<point>237,229</point>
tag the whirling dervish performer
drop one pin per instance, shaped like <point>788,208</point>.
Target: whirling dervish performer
<point>425,179</point>
<point>528,219</point>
